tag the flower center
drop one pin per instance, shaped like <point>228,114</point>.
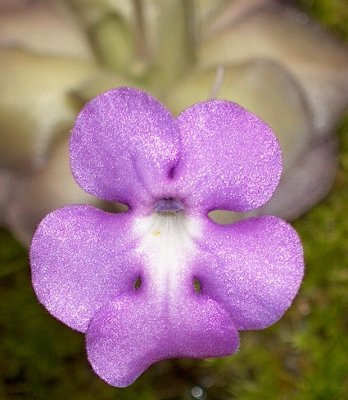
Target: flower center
<point>167,240</point>
<point>169,206</point>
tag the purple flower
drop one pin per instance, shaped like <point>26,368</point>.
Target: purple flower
<point>129,280</point>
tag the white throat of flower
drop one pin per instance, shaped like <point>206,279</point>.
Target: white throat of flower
<point>167,242</point>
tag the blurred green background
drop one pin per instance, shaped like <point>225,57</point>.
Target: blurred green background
<point>304,356</point>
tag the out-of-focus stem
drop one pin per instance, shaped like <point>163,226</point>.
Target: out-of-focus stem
<point>190,29</point>
<point>219,77</point>
<point>174,49</point>
<point>141,44</point>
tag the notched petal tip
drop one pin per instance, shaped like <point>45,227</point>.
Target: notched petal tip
<point>129,334</point>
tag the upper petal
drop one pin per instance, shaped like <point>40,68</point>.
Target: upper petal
<point>81,258</point>
<point>123,146</point>
<point>230,159</point>
<point>253,268</point>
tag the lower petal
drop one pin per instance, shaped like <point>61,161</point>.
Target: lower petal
<point>131,333</point>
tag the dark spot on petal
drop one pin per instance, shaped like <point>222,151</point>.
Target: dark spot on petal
<point>137,283</point>
<point>171,173</point>
<point>197,285</point>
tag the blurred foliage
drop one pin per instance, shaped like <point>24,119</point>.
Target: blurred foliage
<point>332,13</point>
<point>304,356</point>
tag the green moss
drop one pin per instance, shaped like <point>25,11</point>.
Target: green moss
<point>302,357</point>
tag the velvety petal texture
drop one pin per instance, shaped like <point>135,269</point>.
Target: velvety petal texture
<point>124,146</point>
<point>134,331</point>
<point>230,159</point>
<point>253,268</point>
<point>81,259</point>
<point>161,280</point>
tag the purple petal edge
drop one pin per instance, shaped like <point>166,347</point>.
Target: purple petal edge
<point>123,146</point>
<point>230,158</point>
<point>81,258</point>
<point>253,268</point>
<point>128,335</point>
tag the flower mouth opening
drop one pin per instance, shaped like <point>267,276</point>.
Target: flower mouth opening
<point>169,206</point>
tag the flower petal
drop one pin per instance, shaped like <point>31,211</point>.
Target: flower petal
<point>81,258</point>
<point>123,147</point>
<point>253,269</point>
<point>249,84</point>
<point>242,149</point>
<point>129,334</point>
